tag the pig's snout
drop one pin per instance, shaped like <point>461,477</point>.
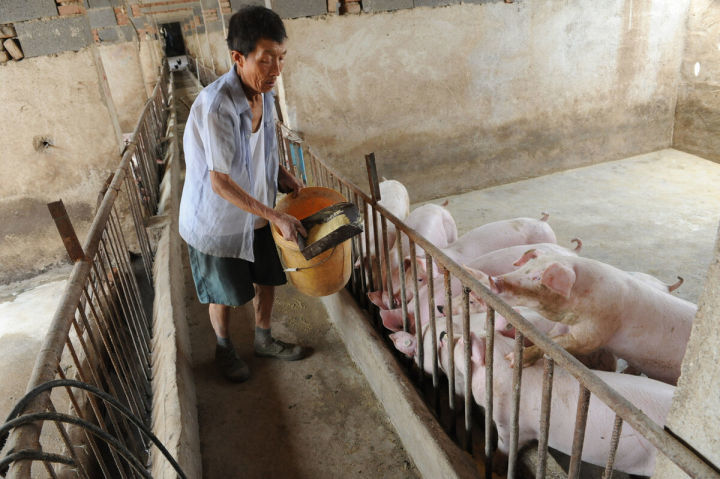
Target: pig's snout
<point>496,284</point>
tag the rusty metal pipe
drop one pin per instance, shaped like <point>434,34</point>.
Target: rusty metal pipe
<point>579,434</point>
<point>515,416</point>
<point>545,406</point>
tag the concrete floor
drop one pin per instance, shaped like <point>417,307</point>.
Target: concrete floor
<point>315,418</point>
<point>656,213</point>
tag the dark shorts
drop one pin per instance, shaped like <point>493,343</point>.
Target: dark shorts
<point>230,281</point>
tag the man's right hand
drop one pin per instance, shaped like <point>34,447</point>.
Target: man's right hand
<point>289,227</point>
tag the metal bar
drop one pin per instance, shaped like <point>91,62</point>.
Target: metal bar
<point>97,359</point>
<point>403,296</point>
<point>431,314</point>
<point>489,363</point>
<point>66,439</point>
<point>617,429</point>
<point>96,412</point>
<point>579,435</point>
<point>388,272</point>
<point>66,230</point>
<point>515,417</point>
<point>451,339</point>
<point>545,408</point>
<point>372,177</point>
<point>416,312</point>
<point>468,368</point>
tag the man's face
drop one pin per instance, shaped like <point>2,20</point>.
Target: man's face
<point>261,67</point>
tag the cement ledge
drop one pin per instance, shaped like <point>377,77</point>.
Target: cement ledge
<point>434,454</point>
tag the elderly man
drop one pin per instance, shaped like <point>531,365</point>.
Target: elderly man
<point>231,181</point>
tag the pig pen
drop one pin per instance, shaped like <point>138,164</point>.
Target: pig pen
<point>654,213</point>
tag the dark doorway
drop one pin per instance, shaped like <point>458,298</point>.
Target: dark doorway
<point>174,43</point>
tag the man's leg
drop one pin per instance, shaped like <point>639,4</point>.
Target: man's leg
<point>263,304</point>
<point>265,344</point>
<point>219,314</point>
<point>231,366</point>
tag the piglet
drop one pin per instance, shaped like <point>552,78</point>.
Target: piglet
<point>603,307</point>
<point>635,454</point>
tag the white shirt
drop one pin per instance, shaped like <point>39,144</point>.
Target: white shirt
<point>217,138</point>
<point>261,192</point>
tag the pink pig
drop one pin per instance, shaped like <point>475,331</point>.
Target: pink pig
<point>475,247</point>
<point>635,454</point>
<point>603,307</point>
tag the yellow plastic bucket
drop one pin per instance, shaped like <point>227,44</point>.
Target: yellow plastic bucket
<point>328,272</point>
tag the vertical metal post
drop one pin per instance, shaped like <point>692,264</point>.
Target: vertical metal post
<point>468,368</point>
<point>489,352</point>
<point>617,429</point>
<point>579,435</point>
<point>66,230</point>
<point>545,407</point>
<point>515,417</point>
<point>372,177</point>
<point>451,339</point>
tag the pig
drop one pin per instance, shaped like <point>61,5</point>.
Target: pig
<point>394,198</point>
<point>635,454</point>
<point>604,307</point>
<point>392,318</point>
<point>471,248</point>
<point>432,222</point>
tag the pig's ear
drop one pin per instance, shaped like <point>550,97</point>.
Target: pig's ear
<point>376,298</point>
<point>559,279</point>
<point>477,348</point>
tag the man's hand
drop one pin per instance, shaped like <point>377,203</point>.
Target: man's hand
<point>287,183</point>
<point>289,227</point>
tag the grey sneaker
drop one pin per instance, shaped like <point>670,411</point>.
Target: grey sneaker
<point>280,350</point>
<point>230,365</point>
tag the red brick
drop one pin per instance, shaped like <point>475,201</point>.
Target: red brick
<point>136,10</point>
<point>121,16</point>
<point>96,35</point>
<point>71,9</point>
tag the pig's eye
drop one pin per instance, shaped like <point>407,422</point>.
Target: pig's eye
<point>508,327</point>
<point>408,342</point>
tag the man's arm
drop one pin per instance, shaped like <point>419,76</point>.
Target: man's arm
<point>224,186</point>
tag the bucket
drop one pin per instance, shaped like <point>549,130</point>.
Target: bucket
<point>326,273</point>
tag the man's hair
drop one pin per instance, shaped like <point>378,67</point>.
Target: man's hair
<point>250,24</point>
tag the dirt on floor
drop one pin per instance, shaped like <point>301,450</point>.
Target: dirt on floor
<point>314,418</point>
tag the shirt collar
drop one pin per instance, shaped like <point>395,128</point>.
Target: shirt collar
<point>238,94</point>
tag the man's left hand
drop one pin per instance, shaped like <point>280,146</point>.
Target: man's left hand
<point>287,183</point>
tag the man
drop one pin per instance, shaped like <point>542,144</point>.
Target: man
<point>231,180</point>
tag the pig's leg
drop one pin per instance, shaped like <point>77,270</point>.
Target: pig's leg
<point>587,342</point>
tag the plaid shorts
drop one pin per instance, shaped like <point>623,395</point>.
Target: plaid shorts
<point>230,281</point>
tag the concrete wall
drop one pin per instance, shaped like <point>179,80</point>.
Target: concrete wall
<point>467,96</point>
<point>82,81</point>
<point>125,77</point>
<point>694,413</point>
<point>697,118</point>
<point>58,98</point>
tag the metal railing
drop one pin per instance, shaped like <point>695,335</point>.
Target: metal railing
<point>302,161</point>
<point>204,74</point>
<point>92,377</point>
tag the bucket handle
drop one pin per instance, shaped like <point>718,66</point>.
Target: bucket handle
<point>292,270</point>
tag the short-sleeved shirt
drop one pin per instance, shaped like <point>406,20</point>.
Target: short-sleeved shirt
<point>217,138</point>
